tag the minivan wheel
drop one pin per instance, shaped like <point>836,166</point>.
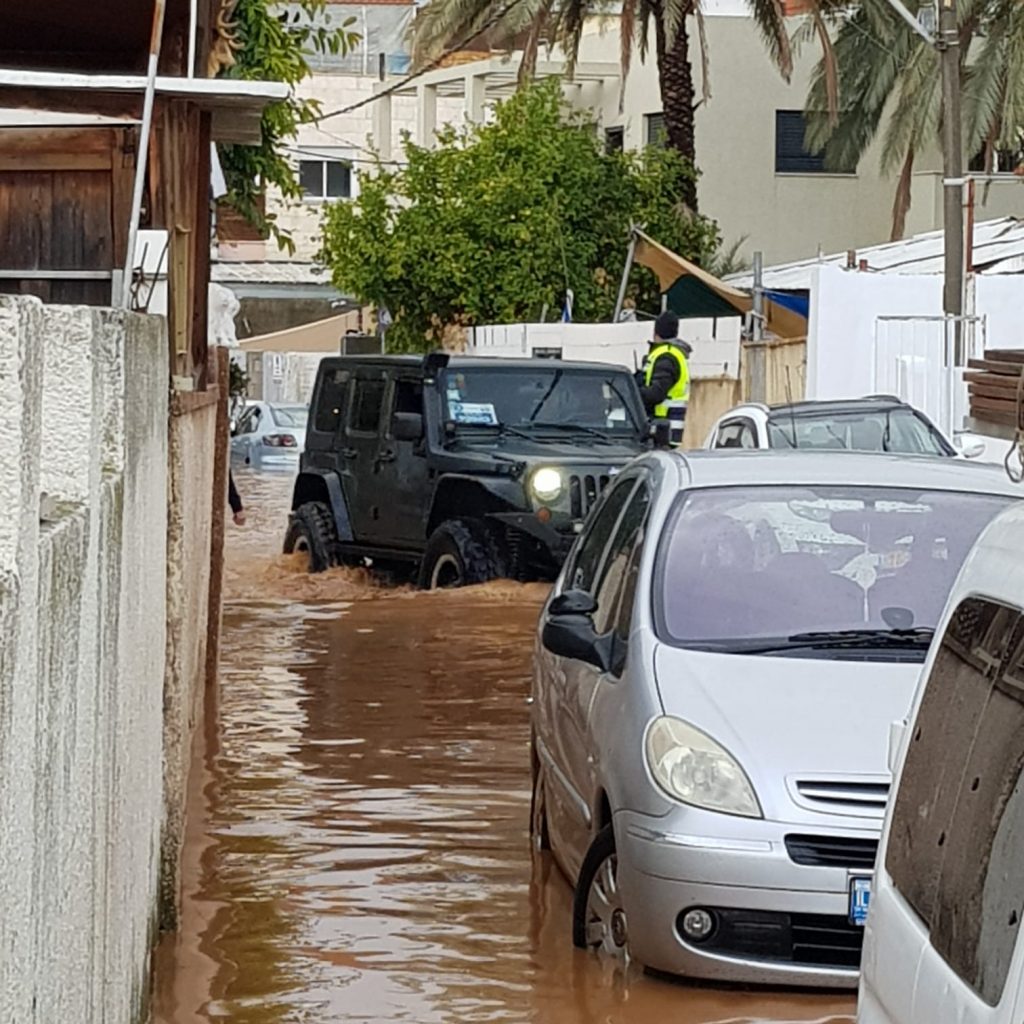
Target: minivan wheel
<point>460,552</point>
<point>598,913</point>
<point>311,531</point>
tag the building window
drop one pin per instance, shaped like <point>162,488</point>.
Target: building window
<point>657,132</point>
<point>791,153</point>
<point>325,179</point>
<point>614,140</point>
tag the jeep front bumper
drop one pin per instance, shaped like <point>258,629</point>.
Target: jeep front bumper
<point>556,540</point>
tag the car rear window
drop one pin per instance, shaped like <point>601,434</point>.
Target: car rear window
<point>743,567</point>
<point>897,429</point>
<point>290,415</point>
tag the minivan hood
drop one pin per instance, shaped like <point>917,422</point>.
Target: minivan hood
<point>783,718</point>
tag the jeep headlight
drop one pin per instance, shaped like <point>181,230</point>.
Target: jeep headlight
<point>692,768</point>
<point>546,484</point>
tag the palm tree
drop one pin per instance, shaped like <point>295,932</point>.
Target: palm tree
<point>531,23</point>
<point>878,75</point>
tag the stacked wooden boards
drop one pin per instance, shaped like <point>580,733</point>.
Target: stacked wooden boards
<point>992,385</point>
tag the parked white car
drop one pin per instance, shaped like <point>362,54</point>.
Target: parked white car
<point>879,423</point>
<point>713,694</point>
<point>268,435</point>
<point>944,939</point>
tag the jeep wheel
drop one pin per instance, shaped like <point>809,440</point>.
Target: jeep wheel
<point>311,531</point>
<point>459,553</point>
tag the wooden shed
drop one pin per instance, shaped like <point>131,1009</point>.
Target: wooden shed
<point>73,99</point>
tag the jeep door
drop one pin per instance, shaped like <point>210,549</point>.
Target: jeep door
<point>358,452</point>
<point>403,485</point>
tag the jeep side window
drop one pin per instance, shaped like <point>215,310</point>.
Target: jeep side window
<point>958,821</point>
<point>408,396</point>
<point>368,397</point>
<point>331,401</point>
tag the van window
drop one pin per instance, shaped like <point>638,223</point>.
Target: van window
<point>958,821</point>
<point>331,402</point>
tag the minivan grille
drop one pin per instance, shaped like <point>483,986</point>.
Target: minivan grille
<point>841,796</point>
<point>584,490</point>
<point>832,851</point>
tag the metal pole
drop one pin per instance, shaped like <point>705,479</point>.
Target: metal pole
<point>123,297</point>
<point>193,28</point>
<point>953,162</point>
<point>621,298</point>
<point>755,351</point>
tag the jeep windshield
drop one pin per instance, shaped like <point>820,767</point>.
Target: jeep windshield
<point>556,401</point>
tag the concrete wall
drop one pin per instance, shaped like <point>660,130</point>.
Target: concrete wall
<point>83,424</point>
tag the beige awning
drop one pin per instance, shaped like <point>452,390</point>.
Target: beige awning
<point>670,266</point>
<point>319,336</point>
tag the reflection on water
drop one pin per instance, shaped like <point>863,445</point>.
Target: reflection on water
<point>358,837</point>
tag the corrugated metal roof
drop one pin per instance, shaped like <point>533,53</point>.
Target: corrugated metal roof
<point>998,249</point>
<point>278,272</point>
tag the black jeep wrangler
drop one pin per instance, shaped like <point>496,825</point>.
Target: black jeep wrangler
<point>468,469</point>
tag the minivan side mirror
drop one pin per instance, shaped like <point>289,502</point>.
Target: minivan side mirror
<point>407,426</point>
<point>569,632</point>
<point>968,447</point>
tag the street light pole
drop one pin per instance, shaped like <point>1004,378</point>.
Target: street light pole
<point>953,162</point>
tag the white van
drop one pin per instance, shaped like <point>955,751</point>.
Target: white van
<point>944,940</point>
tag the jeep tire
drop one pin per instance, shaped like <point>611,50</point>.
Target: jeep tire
<point>459,552</point>
<point>311,530</point>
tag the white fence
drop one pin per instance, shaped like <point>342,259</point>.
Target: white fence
<point>918,359</point>
<point>716,343</point>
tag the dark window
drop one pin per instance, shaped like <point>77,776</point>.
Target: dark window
<point>408,396</point>
<point>958,821</point>
<point>614,140</point>
<point>366,405</point>
<point>325,179</point>
<point>657,132</point>
<point>595,539</point>
<point>331,402</point>
<point>249,421</point>
<point>791,153</point>
<point>617,584</point>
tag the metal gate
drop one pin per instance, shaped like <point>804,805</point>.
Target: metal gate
<point>921,360</point>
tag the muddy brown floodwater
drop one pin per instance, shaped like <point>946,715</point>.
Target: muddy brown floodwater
<point>357,846</point>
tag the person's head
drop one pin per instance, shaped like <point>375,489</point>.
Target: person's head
<point>666,327</point>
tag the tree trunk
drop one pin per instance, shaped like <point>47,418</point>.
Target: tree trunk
<point>675,76</point>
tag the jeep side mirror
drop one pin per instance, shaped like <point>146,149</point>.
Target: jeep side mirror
<point>407,426</point>
<point>661,432</point>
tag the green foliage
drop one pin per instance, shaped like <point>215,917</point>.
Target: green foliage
<point>498,220</point>
<point>274,44</point>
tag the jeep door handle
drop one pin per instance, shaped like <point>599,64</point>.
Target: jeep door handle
<point>350,453</point>
<point>387,456</point>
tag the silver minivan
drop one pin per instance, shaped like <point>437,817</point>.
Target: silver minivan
<point>716,672</point>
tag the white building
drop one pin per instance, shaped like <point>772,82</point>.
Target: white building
<point>756,180</point>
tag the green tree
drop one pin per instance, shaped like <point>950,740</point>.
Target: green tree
<point>445,24</point>
<point>497,221</point>
<point>878,75</point>
<point>273,45</point>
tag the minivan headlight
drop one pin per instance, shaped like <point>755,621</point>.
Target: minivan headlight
<point>546,484</point>
<point>691,767</point>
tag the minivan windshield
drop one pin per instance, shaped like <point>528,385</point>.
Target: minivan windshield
<point>543,399</point>
<point>852,571</point>
<point>897,429</point>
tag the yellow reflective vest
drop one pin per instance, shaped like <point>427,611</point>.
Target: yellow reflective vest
<point>680,393</point>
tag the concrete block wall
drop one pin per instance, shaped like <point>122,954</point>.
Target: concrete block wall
<point>83,525</point>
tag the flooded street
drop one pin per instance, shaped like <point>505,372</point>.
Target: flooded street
<point>358,845</point>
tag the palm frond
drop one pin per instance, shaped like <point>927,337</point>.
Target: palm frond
<point>901,201</point>
<point>770,17</point>
<point>705,54</point>
<point>627,30</point>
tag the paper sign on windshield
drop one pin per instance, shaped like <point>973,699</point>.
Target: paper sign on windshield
<point>474,412</point>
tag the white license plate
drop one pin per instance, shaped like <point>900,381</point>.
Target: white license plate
<point>860,897</point>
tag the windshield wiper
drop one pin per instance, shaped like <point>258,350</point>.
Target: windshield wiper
<point>578,427</point>
<point>864,639</point>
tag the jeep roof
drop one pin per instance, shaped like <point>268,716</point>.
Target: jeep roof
<point>459,362</point>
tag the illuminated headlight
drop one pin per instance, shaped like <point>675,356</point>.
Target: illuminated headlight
<point>691,767</point>
<point>546,484</point>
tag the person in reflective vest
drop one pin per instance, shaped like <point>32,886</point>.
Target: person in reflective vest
<point>665,381</point>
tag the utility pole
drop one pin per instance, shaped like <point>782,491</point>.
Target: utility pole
<point>948,44</point>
